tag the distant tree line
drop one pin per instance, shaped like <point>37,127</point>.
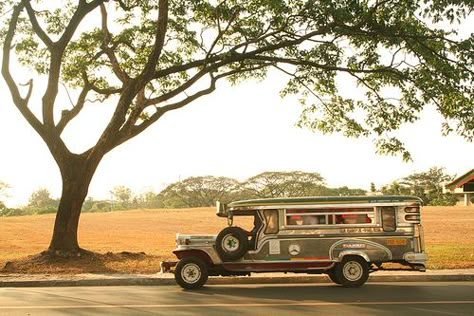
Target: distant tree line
<point>206,190</point>
<point>427,185</point>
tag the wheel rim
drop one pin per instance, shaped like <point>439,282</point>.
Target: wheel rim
<point>230,243</point>
<point>352,271</point>
<point>191,273</point>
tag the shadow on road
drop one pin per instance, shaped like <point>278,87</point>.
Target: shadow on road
<point>334,293</point>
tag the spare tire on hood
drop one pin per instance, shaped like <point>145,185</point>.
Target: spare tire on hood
<point>232,243</point>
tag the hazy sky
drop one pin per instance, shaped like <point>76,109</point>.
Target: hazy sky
<point>236,132</point>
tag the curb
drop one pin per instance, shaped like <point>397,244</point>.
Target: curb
<point>286,279</point>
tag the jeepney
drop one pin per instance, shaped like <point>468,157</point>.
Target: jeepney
<point>344,237</point>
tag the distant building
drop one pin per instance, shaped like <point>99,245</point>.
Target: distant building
<point>463,188</point>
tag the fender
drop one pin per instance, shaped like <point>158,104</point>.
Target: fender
<point>200,253</point>
<point>365,245</point>
<point>352,253</point>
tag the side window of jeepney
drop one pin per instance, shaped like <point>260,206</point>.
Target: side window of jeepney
<point>305,217</point>
<point>271,218</point>
<point>354,216</point>
<point>341,216</point>
<point>388,219</point>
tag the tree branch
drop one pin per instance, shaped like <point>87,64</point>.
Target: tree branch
<point>56,59</point>
<point>221,34</point>
<point>301,82</point>
<point>161,28</point>
<point>135,130</point>
<point>232,56</point>
<point>36,27</point>
<point>20,103</point>
<point>123,76</point>
<point>68,115</point>
<point>127,134</point>
<point>180,89</point>
<point>300,62</point>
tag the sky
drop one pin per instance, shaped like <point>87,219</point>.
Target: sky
<point>236,132</point>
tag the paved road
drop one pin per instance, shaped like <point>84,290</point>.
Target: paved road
<point>430,298</point>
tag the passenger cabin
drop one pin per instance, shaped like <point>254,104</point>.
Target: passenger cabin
<point>343,237</point>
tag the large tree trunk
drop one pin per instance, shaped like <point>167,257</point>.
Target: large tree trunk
<point>77,173</point>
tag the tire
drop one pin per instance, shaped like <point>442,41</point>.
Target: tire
<point>191,273</point>
<point>232,243</point>
<point>353,271</point>
<point>332,275</point>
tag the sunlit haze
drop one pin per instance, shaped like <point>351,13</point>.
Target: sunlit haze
<point>236,132</point>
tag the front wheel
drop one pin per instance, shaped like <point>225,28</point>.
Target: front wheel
<point>353,271</point>
<point>191,273</point>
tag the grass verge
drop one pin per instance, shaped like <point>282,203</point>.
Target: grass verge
<point>136,241</point>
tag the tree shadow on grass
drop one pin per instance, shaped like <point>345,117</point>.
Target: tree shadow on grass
<point>83,262</point>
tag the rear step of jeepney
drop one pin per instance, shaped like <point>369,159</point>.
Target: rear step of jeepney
<point>411,267</point>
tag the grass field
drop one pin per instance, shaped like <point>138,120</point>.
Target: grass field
<point>449,237</point>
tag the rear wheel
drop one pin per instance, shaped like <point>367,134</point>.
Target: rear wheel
<point>191,273</point>
<point>353,271</point>
<point>332,275</point>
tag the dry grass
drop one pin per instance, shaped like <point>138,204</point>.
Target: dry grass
<point>448,237</point>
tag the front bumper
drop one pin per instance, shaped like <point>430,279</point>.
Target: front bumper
<point>167,266</point>
<point>416,258</point>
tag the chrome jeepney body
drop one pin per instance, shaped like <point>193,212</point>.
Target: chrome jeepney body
<point>316,235</point>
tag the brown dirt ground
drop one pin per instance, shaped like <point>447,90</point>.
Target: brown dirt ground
<point>136,241</point>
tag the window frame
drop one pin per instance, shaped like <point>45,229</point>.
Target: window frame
<point>274,213</point>
<point>330,216</point>
<point>385,227</point>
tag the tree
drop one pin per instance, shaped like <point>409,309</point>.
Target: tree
<point>150,199</point>
<point>373,189</point>
<point>427,185</point>
<point>284,184</point>
<point>395,188</point>
<point>122,195</point>
<point>3,192</point>
<point>41,201</point>
<point>3,208</point>
<point>148,58</point>
<point>344,191</point>
<point>199,191</point>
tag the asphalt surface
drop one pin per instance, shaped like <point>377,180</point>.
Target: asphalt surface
<point>400,298</point>
<point>46,280</point>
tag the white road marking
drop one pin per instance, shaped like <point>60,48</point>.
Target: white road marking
<point>112,306</point>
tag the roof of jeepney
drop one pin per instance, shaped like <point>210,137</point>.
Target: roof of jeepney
<point>382,199</point>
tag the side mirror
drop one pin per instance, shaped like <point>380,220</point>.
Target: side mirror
<point>221,209</point>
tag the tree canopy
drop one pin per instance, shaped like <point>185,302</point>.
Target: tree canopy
<point>3,188</point>
<point>199,191</point>
<point>428,185</point>
<point>121,194</point>
<point>147,58</point>
<point>157,56</point>
<point>272,184</point>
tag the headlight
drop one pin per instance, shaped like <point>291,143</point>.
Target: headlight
<point>180,241</point>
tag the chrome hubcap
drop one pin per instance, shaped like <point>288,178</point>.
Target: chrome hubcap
<point>230,243</point>
<point>352,271</point>
<point>191,273</point>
